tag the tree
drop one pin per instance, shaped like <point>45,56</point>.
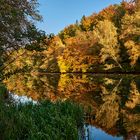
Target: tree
<point>106,34</point>
<point>55,48</point>
<point>16,23</point>
<point>17,27</point>
<point>69,31</point>
<point>130,35</point>
<point>76,58</point>
<point>87,23</point>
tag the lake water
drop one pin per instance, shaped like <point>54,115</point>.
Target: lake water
<point>112,102</point>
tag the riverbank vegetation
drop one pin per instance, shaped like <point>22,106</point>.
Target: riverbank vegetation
<point>45,120</point>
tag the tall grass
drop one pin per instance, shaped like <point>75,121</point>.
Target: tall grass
<point>43,121</point>
<point>3,91</point>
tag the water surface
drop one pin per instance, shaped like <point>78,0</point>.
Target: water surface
<point>111,102</point>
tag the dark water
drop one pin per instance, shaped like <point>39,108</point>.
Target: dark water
<point>112,102</point>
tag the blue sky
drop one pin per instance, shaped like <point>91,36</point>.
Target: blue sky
<point>58,14</point>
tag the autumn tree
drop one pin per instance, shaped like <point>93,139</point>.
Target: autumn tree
<point>130,35</point>
<point>55,48</point>
<point>68,31</point>
<point>87,23</point>
<point>76,58</point>
<point>106,34</point>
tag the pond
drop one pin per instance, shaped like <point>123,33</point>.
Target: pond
<point>111,102</point>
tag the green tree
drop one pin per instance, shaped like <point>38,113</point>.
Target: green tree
<point>17,25</point>
<point>16,22</point>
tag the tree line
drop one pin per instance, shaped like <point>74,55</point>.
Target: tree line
<point>108,41</point>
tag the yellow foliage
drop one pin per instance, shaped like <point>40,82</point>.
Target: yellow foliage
<point>64,67</point>
<point>106,34</point>
<point>134,97</point>
<point>133,51</point>
<point>131,35</point>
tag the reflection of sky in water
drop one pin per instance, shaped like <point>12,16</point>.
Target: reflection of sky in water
<point>98,134</point>
<point>21,99</point>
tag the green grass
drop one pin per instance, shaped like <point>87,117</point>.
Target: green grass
<point>43,121</point>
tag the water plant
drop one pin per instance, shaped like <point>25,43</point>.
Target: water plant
<point>43,121</point>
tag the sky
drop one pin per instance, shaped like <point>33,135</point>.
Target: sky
<point>58,14</point>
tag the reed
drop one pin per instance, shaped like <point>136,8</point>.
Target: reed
<point>42,121</point>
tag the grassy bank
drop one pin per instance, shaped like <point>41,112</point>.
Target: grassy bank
<point>46,121</point>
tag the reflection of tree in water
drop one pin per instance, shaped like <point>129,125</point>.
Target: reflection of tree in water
<point>74,85</point>
<point>132,125</point>
<point>134,97</point>
<point>132,113</point>
<point>108,113</point>
<point>36,87</point>
<point>118,115</point>
<point>114,101</point>
<point>78,88</point>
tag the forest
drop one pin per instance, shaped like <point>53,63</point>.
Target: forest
<point>108,41</point>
